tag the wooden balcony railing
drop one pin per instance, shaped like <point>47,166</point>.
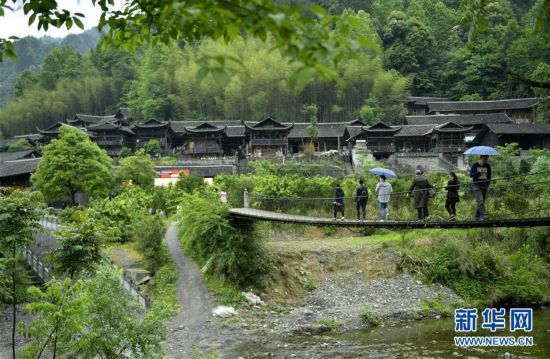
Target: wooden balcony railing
<point>269,142</point>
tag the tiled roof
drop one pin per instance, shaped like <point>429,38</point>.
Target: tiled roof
<point>519,129</point>
<point>12,156</point>
<point>462,119</point>
<point>268,124</point>
<point>353,131</point>
<point>31,136</point>
<point>381,127</point>
<point>12,168</point>
<point>452,127</point>
<point>103,126</point>
<point>92,118</point>
<point>110,126</point>
<point>424,100</point>
<point>496,105</point>
<point>415,130</point>
<point>179,126</point>
<point>326,129</point>
<point>152,123</point>
<point>204,127</point>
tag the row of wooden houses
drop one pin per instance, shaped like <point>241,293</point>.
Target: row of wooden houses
<point>436,131</point>
<point>434,127</point>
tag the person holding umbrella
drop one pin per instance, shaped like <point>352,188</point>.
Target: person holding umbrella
<point>481,178</point>
<point>384,189</point>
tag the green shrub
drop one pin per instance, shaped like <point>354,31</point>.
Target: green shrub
<point>331,323</point>
<point>190,183</point>
<point>226,249</point>
<point>148,235</point>
<point>123,211</point>
<point>228,293</point>
<point>482,272</point>
<point>370,318</point>
<point>162,288</point>
<point>310,285</point>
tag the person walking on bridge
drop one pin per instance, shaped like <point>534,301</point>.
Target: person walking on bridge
<point>452,195</point>
<point>384,189</point>
<point>481,178</point>
<point>420,189</point>
<point>338,202</point>
<point>361,197</point>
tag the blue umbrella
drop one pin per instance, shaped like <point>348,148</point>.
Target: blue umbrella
<point>382,171</point>
<point>482,150</point>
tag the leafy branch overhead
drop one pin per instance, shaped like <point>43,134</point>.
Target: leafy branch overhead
<point>310,36</point>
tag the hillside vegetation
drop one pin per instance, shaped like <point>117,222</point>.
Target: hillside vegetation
<point>421,52</point>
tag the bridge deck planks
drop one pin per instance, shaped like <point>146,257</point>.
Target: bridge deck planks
<point>258,214</point>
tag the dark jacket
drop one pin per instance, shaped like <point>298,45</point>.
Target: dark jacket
<point>452,190</point>
<point>339,196</point>
<point>419,188</point>
<point>361,194</point>
<point>481,175</point>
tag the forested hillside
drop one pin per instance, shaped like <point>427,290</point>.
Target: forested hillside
<point>31,53</point>
<point>423,51</point>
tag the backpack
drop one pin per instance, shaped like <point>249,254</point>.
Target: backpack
<point>363,193</point>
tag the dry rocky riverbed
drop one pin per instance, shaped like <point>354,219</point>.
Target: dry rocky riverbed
<point>315,293</point>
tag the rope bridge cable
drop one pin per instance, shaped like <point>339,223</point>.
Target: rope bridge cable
<point>404,193</point>
<point>324,203</point>
<point>394,194</point>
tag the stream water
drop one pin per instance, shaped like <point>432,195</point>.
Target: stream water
<point>421,339</point>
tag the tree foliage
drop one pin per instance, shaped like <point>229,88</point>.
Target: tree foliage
<point>148,235</point>
<point>59,313</point>
<point>138,170</point>
<point>309,35</point>
<point>190,183</point>
<point>116,325</point>
<point>71,164</point>
<point>92,318</point>
<point>228,251</point>
<point>19,213</point>
<point>80,244</point>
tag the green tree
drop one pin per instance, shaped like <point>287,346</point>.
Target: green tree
<point>542,73</point>
<point>190,183</point>
<point>62,62</point>
<point>126,152</point>
<point>19,145</point>
<point>148,235</point>
<point>59,319</point>
<point>309,35</point>
<point>120,214</point>
<point>116,327</point>
<point>138,169</point>
<point>89,319</point>
<point>408,47</point>
<point>370,112</point>
<point>312,129</point>
<point>18,218</point>
<point>70,164</point>
<point>152,148</point>
<point>80,244</point>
